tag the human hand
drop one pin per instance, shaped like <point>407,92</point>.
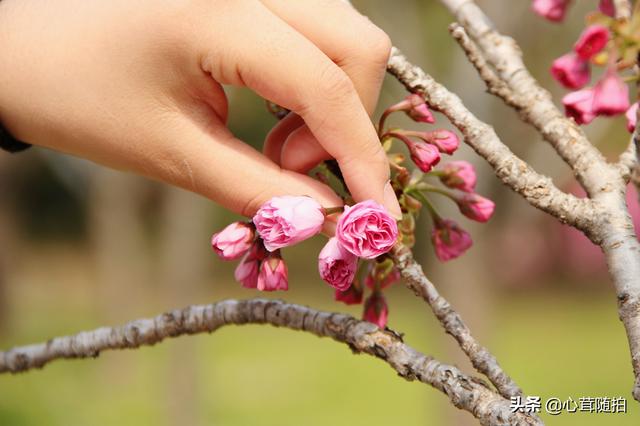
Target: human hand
<point>138,86</point>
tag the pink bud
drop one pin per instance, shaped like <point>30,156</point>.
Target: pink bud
<point>475,207</point>
<point>424,155</point>
<point>449,240</point>
<point>418,110</point>
<point>337,266</point>
<point>611,95</point>
<point>571,71</point>
<point>351,296</point>
<point>607,7</point>
<point>579,105</point>
<point>460,175</point>
<point>247,270</point>
<point>553,10</point>
<point>273,275</point>
<point>391,278</point>
<point>592,40</point>
<point>376,310</point>
<point>632,117</point>
<point>366,229</point>
<point>233,241</point>
<point>287,220</point>
<point>446,141</point>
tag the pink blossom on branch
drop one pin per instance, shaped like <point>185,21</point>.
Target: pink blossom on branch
<point>579,105</point>
<point>632,117</point>
<point>449,240</point>
<point>571,71</point>
<point>248,269</point>
<point>273,274</point>
<point>376,310</point>
<point>592,40</point>
<point>366,229</point>
<point>475,207</point>
<point>336,265</point>
<point>287,220</point>
<point>233,241</point>
<point>553,10</point>
<point>611,95</point>
<point>460,175</point>
<point>446,141</point>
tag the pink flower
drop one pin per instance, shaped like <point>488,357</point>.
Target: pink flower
<point>336,265</point>
<point>366,229</point>
<point>611,95</point>
<point>592,40</point>
<point>248,269</point>
<point>351,296</point>
<point>553,10</point>
<point>273,274</point>
<point>476,207</point>
<point>390,278</point>
<point>579,106</point>
<point>571,71</point>
<point>376,310</point>
<point>632,117</point>
<point>449,240</point>
<point>607,7</point>
<point>418,109</point>
<point>460,175</point>
<point>287,220</point>
<point>233,241</point>
<point>424,155</point>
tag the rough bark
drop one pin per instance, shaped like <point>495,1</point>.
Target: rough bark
<point>465,392</point>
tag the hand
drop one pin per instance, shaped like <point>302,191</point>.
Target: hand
<point>138,86</point>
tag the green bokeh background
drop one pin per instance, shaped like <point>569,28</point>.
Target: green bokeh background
<point>84,247</point>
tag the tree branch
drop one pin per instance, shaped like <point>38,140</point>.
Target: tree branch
<point>623,9</point>
<point>481,359</point>
<point>536,188</point>
<point>534,103</point>
<point>465,392</point>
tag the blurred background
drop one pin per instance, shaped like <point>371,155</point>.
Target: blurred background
<point>82,246</point>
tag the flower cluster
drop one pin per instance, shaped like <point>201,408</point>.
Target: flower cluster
<point>356,259</point>
<point>606,42</point>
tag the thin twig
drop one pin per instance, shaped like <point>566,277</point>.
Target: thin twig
<point>465,392</point>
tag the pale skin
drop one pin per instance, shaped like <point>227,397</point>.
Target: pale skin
<point>138,86</point>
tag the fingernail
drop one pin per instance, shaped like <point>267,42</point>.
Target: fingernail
<point>391,201</point>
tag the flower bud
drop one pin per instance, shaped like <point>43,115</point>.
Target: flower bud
<point>460,175</point>
<point>247,271</point>
<point>579,106</point>
<point>287,220</point>
<point>476,207</point>
<point>632,117</point>
<point>351,296</point>
<point>424,155</point>
<point>611,95</point>
<point>233,241</point>
<point>273,274</point>
<point>607,7</point>
<point>337,266</point>
<point>592,40</point>
<point>571,71</point>
<point>376,310</point>
<point>446,141</point>
<point>553,10</point>
<point>418,110</point>
<point>449,240</point>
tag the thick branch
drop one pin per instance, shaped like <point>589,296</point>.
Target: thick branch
<point>533,103</point>
<point>623,8</point>
<point>536,188</point>
<point>465,392</point>
<point>452,322</point>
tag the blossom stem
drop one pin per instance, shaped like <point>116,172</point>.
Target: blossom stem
<point>332,210</point>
